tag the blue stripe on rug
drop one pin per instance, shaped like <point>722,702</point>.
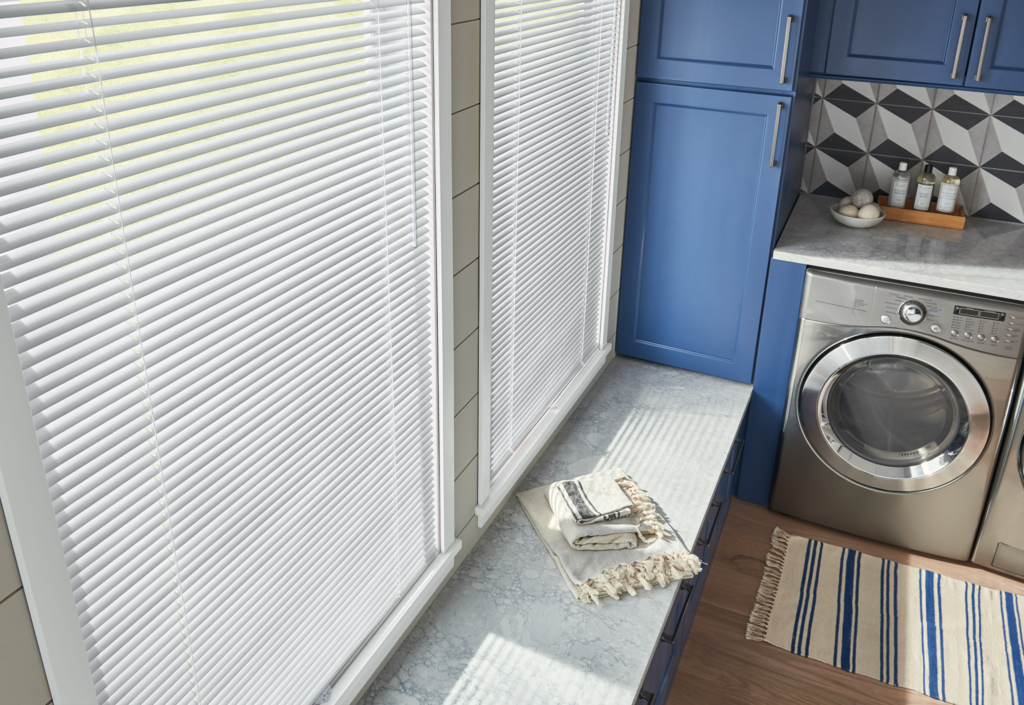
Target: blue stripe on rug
<point>802,620</point>
<point>800,603</point>
<point>883,632</point>
<point>806,645</point>
<point>972,676</point>
<point>979,642</point>
<point>839,611</point>
<point>1014,628</point>
<point>895,624</point>
<point>856,617</point>
<point>845,661</point>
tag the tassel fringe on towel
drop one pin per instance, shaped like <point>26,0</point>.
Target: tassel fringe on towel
<point>630,577</point>
<point>757,626</point>
<point>644,574</point>
<point>643,507</point>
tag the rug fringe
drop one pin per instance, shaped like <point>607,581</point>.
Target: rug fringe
<point>757,625</point>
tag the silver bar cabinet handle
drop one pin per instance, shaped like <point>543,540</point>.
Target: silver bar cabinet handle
<point>984,46</point>
<point>959,45</point>
<point>785,49</point>
<point>775,136</point>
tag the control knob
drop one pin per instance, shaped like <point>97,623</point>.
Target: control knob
<point>912,312</point>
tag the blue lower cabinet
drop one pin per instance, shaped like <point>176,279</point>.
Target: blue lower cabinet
<point>704,181</point>
<point>771,380</point>
<point>662,669</point>
<point>656,671</point>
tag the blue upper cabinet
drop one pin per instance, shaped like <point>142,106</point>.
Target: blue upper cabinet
<point>998,48</point>
<point>723,42</point>
<point>921,41</point>
<point>703,188</point>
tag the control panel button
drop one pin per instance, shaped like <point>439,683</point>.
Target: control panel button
<point>967,335</point>
<point>912,312</point>
<point>954,333</point>
<point>936,328</point>
<point>994,339</point>
<point>886,320</point>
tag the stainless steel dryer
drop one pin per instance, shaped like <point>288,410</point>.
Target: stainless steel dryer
<point>898,399</point>
<point>1001,541</point>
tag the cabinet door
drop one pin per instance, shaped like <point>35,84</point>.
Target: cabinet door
<point>726,42</point>
<point>907,40</point>
<point>1001,57</point>
<point>703,188</point>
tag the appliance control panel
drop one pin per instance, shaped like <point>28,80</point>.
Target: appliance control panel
<point>986,325</point>
<point>991,326</point>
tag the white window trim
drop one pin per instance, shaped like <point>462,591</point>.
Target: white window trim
<point>491,496</point>
<point>29,512</point>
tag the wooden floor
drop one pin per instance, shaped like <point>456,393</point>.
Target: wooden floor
<point>720,667</point>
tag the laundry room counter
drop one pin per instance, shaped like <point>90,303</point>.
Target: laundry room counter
<point>985,258</point>
<point>506,630</point>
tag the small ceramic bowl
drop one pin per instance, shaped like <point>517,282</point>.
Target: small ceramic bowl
<point>854,222</point>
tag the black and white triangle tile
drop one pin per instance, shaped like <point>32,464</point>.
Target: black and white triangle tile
<point>959,127</point>
<point>901,122</point>
<point>860,132</point>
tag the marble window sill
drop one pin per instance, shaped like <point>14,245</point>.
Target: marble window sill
<point>505,629</point>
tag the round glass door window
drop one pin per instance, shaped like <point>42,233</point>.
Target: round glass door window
<point>894,413</point>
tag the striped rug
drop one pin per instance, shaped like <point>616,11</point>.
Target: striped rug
<point>912,628</point>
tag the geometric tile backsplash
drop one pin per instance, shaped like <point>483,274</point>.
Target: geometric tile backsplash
<point>860,132</point>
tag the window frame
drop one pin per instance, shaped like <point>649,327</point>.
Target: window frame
<point>491,495</point>
<point>29,512</point>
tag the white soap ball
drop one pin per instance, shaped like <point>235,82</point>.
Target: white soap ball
<point>869,211</point>
<point>862,197</point>
<point>850,210</point>
<point>846,201</point>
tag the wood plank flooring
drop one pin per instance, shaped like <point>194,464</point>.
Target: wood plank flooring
<point>720,667</point>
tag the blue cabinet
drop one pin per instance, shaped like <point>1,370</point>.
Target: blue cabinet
<point>704,185</point>
<point>661,670</point>
<point>724,42</point>
<point>998,48</point>
<point>771,380</point>
<point>922,41</point>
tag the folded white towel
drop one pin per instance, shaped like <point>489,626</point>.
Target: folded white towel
<point>594,513</point>
<point>591,498</point>
<point>591,575</point>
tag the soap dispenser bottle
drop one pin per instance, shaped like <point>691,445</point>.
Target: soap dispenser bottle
<point>925,186</point>
<point>948,190</point>
<point>900,187</point>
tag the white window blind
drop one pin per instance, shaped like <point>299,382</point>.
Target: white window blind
<point>217,252</point>
<point>555,76</point>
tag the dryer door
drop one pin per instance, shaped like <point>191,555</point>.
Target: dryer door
<point>894,413</point>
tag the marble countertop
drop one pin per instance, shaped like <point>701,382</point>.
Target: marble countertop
<point>986,258</point>
<point>506,629</point>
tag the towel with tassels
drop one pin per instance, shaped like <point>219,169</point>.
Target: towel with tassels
<point>659,559</point>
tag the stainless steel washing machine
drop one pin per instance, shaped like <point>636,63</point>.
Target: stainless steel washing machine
<point>1001,541</point>
<point>897,403</point>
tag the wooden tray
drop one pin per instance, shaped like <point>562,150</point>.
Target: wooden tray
<point>954,220</point>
